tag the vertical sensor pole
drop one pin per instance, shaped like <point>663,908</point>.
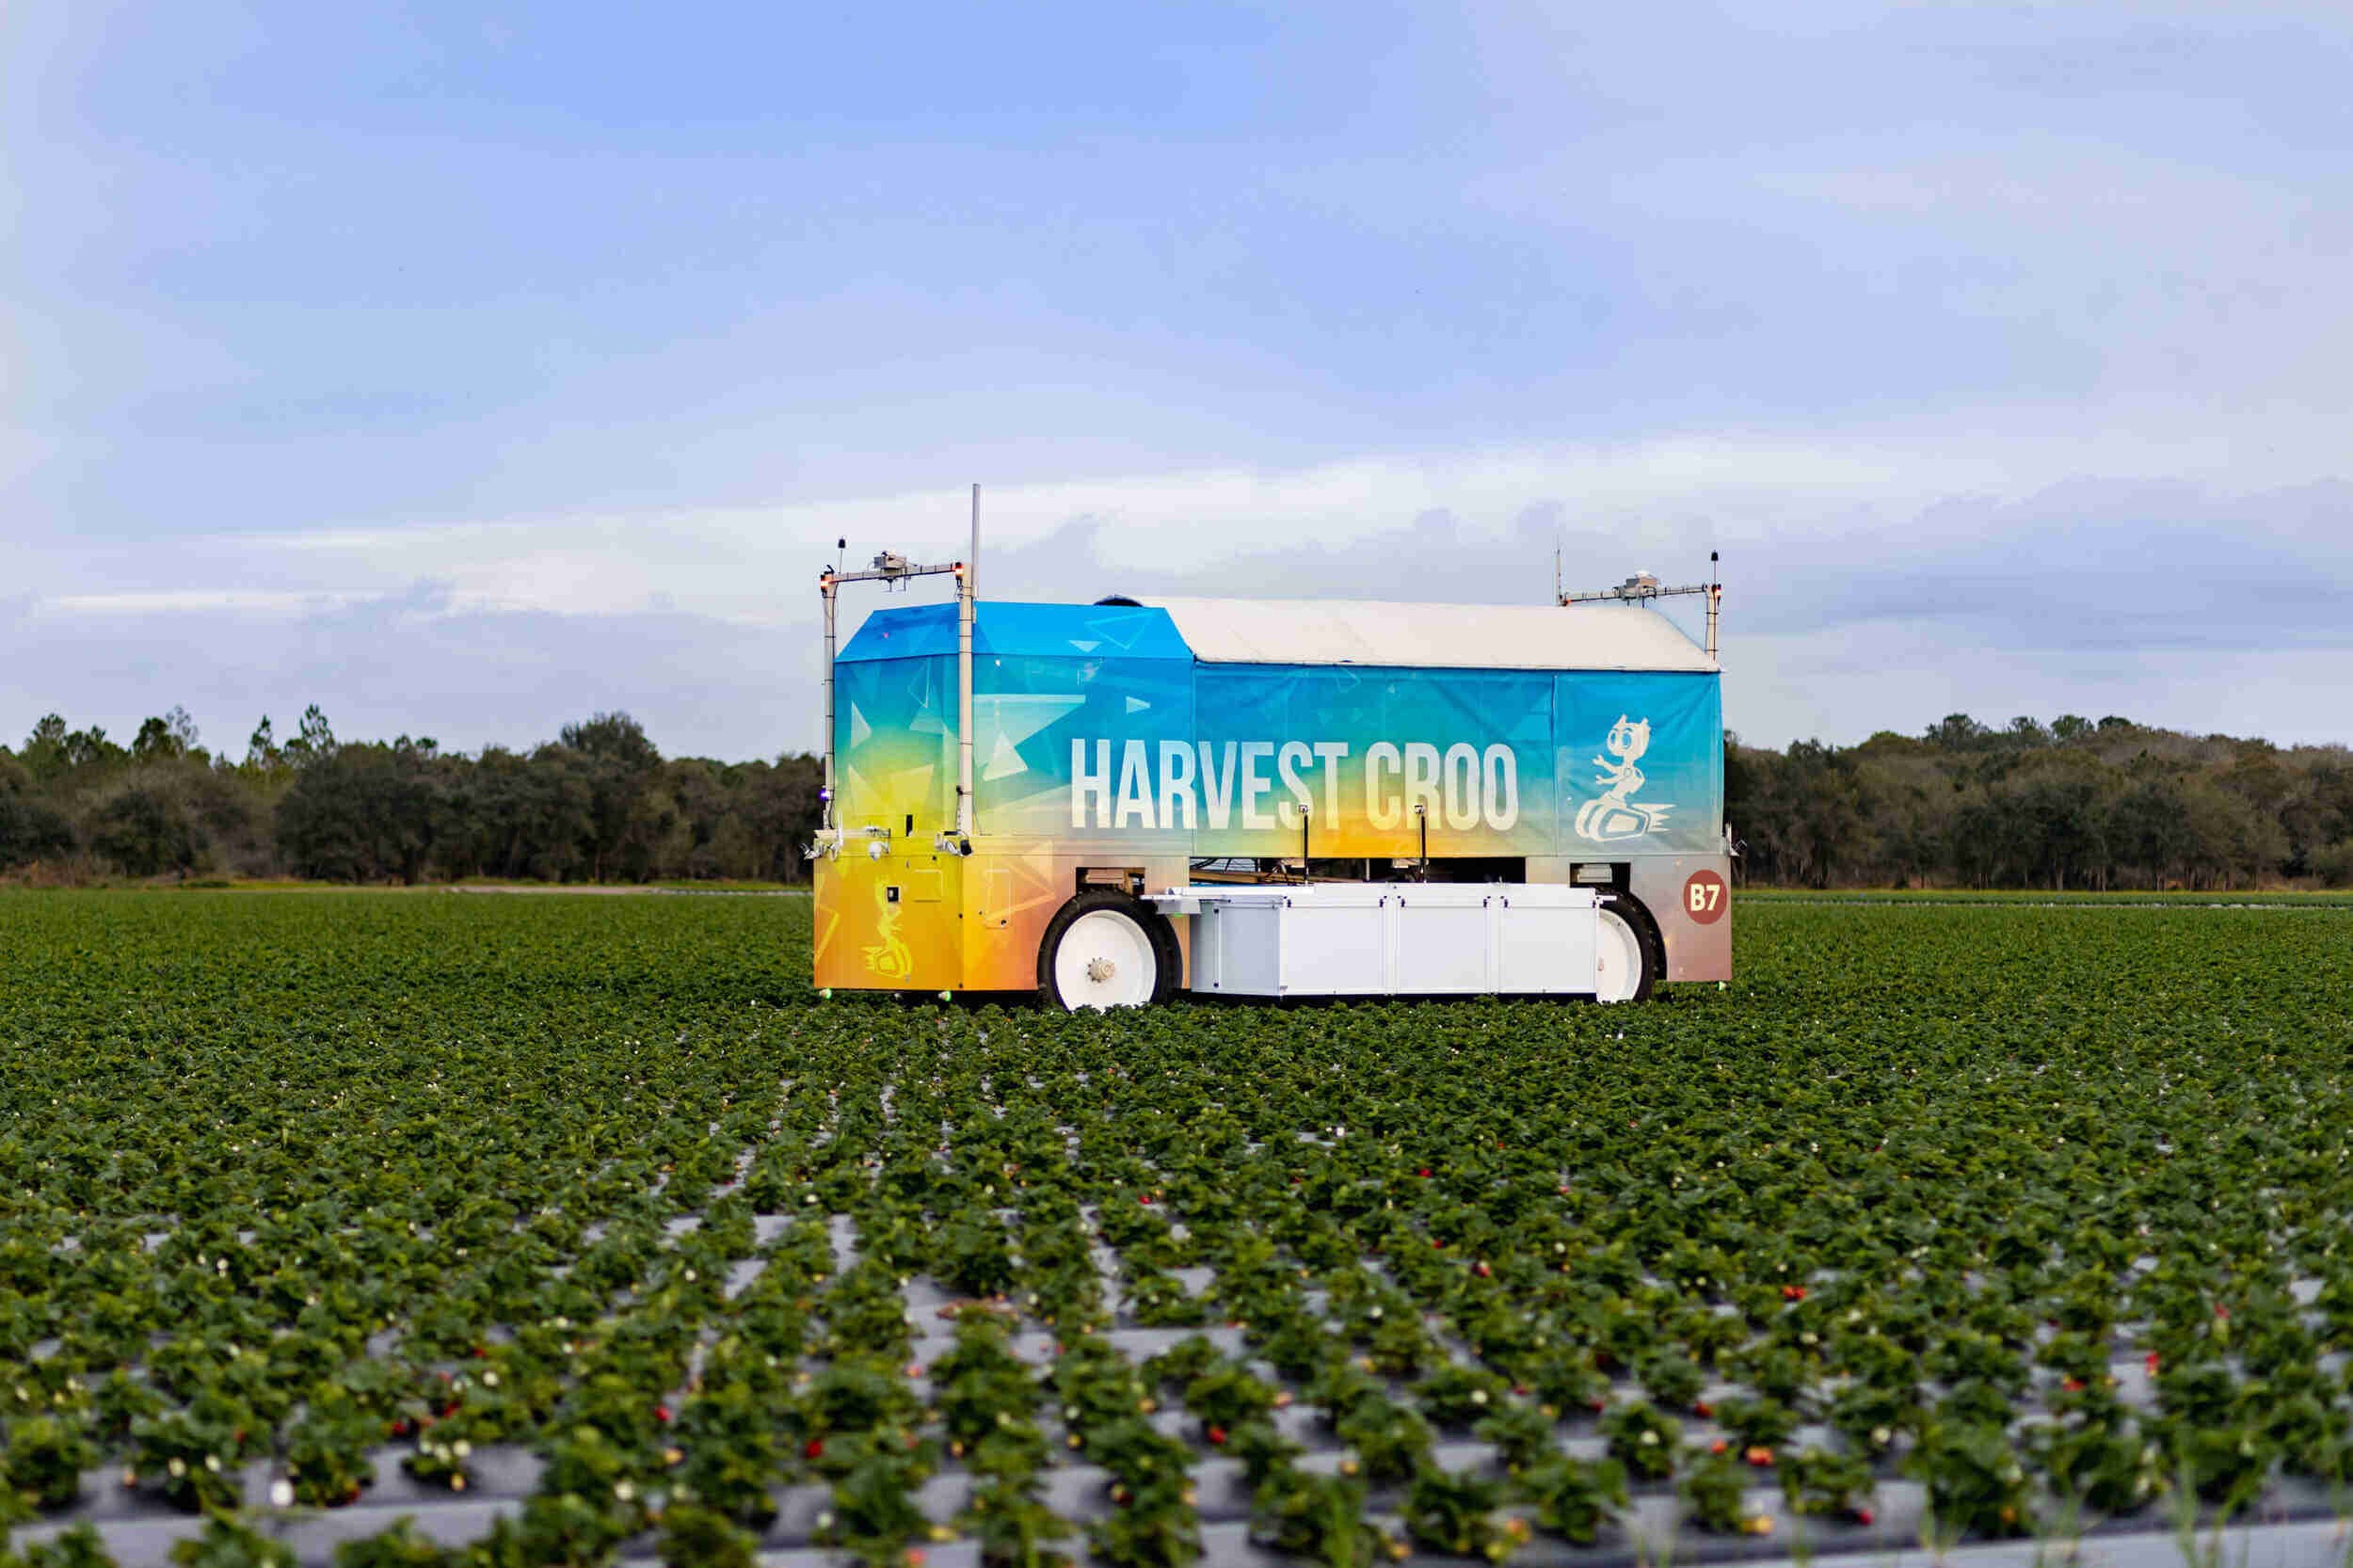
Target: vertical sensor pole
<point>1715,603</point>
<point>826,586</point>
<point>966,576</point>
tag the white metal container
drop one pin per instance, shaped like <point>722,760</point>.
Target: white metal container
<point>1339,938</point>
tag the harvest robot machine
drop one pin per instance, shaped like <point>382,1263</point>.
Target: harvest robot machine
<point>1110,802</point>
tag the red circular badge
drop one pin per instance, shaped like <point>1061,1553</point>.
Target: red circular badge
<point>1705,898</point>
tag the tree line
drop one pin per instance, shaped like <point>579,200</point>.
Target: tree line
<point>597,804</point>
<point>2075,804</point>
<point>2070,804</point>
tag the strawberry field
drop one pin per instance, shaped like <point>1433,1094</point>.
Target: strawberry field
<point>382,1230</point>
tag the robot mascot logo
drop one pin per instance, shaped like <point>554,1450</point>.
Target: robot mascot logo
<point>889,956</point>
<point>1615,813</point>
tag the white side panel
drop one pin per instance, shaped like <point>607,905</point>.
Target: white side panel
<point>1334,946</point>
<point>1207,943</point>
<point>1544,947</point>
<point>1353,939</point>
<point>1441,941</point>
<point>1249,948</point>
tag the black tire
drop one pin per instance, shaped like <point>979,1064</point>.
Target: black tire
<point>1167,965</point>
<point>1646,939</point>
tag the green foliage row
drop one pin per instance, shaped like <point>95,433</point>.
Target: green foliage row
<point>2042,1211</point>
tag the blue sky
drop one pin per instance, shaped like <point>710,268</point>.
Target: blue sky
<point>467,368</point>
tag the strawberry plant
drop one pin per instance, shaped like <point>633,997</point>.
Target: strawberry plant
<point>1716,1488</point>
<point>327,1452</point>
<point>1825,1483</point>
<point>1156,1525</point>
<point>440,1459</point>
<point>1574,1499</point>
<point>401,1546</point>
<point>1456,1513</point>
<point>1757,1423</point>
<point>1457,1398</point>
<point>44,1459</point>
<point>1320,1518</point>
<point>191,1461</point>
<point>1522,1434</point>
<point>2110,1470</point>
<point>227,1543</point>
<point>1976,1481</point>
<point>1643,1440</point>
<point>79,1548</point>
<point>875,1515</point>
<point>1392,1442</point>
<point>1225,1398</point>
<point>697,1537</point>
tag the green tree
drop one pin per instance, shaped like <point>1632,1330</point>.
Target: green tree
<point>364,814</point>
<point>145,831</point>
<point>31,830</point>
<point>616,764</point>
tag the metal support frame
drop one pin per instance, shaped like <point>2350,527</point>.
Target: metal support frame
<point>1642,587</point>
<point>890,568</point>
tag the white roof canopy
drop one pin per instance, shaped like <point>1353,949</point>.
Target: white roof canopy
<point>1444,637</point>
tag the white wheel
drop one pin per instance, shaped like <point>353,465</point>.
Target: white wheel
<point>1105,959</point>
<point>1617,957</point>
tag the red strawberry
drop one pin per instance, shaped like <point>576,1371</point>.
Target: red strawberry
<point>1481,1269</point>
<point>814,1448</point>
<point>1424,1171</point>
<point>1217,1436</point>
<point>1702,1409</point>
<point>661,1413</point>
<point>2152,1364</point>
<point>1865,1516</point>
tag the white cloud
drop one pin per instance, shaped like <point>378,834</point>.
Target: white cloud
<point>757,566</point>
<point>199,600</point>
